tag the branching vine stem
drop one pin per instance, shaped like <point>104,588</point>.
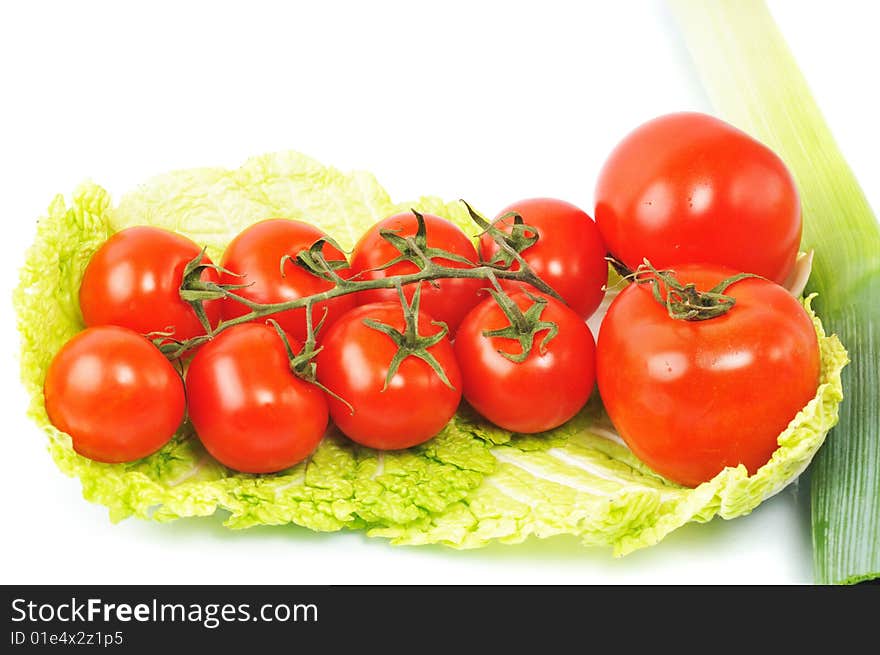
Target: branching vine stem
<point>431,271</point>
<point>414,248</point>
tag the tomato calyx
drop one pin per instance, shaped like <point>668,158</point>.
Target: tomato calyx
<point>409,342</point>
<point>171,347</point>
<point>685,302</point>
<point>313,260</point>
<point>302,364</point>
<point>415,248</point>
<point>510,246</point>
<point>524,326</point>
<point>195,291</point>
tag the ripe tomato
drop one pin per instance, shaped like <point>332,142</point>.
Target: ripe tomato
<point>133,281</point>
<point>114,393</point>
<point>541,392</point>
<point>689,188</point>
<point>248,408</point>
<point>450,299</point>
<point>256,255</point>
<point>691,397</point>
<point>569,254</point>
<point>354,364</point>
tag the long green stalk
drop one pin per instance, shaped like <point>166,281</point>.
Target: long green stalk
<point>754,83</point>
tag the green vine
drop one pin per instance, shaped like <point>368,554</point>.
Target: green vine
<point>508,264</point>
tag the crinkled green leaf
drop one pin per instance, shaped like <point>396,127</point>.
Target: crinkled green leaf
<point>472,484</point>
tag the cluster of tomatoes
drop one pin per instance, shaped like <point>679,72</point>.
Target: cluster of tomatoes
<point>252,412</point>
<point>689,394</point>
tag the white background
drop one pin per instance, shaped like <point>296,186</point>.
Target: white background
<point>487,101</point>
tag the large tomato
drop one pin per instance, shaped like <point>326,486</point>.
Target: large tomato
<point>133,281</point>
<point>255,256</point>
<point>692,397</point>
<point>689,188</point>
<point>445,300</point>
<point>354,362</point>
<point>540,393</point>
<point>569,254</point>
<point>248,408</point>
<point>114,393</point>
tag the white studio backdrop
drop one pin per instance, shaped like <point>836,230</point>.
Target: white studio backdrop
<point>489,101</point>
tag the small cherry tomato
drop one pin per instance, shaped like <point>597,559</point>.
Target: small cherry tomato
<point>249,409</point>
<point>255,256</point>
<point>569,254</point>
<point>445,300</point>
<point>133,281</point>
<point>539,393</point>
<point>354,362</point>
<point>114,393</point>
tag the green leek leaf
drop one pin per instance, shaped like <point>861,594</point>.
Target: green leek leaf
<point>754,82</point>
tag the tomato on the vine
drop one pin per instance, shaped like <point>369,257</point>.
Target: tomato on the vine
<point>688,188</point>
<point>254,259</point>
<point>133,280</point>
<point>114,393</point>
<point>353,363</point>
<point>692,397</point>
<point>569,254</point>
<point>544,390</point>
<point>445,300</point>
<point>248,408</point>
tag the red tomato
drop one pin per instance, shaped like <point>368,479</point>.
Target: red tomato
<point>569,254</point>
<point>249,410</point>
<point>450,299</point>
<point>133,281</point>
<point>256,254</point>
<point>541,392</point>
<point>114,393</point>
<point>354,363</point>
<point>689,188</point>
<point>691,397</point>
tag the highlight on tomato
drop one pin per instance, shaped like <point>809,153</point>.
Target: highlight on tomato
<point>527,361</point>
<point>712,386</point>
<point>445,300</point>
<point>689,188</point>
<point>251,412</point>
<point>114,393</point>
<point>262,259</point>
<point>569,254</point>
<point>397,375</point>
<point>133,280</point>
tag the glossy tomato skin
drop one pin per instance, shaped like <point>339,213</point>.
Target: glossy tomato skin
<point>691,397</point>
<point>540,393</point>
<point>249,410</point>
<point>114,393</point>
<point>451,299</point>
<point>354,363</point>
<point>256,255</point>
<point>133,281</point>
<point>689,188</point>
<point>569,254</point>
